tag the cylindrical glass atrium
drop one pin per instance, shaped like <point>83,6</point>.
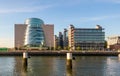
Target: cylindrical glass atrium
<point>34,36</point>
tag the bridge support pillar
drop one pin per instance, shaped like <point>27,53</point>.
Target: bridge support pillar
<point>69,61</point>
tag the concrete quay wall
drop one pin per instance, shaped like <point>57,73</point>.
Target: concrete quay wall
<point>60,53</point>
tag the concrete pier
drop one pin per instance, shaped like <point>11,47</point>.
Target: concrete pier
<point>119,55</point>
<point>25,59</point>
<point>69,61</point>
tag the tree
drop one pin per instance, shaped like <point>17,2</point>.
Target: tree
<point>59,48</point>
<point>65,48</point>
<point>106,44</point>
<point>78,48</point>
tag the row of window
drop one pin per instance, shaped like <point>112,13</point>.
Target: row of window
<point>35,27</point>
<point>88,30</point>
<point>95,33</point>
<point>89,42</point>
<point>35,33</point>
<point>36,38</point>
<point>86,36</point>
<point>85,41</point>
<point>89,37</point>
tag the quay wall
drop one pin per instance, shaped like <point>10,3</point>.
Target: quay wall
<point>60,53</point>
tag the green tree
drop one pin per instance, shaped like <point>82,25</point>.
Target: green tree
<point>78,48</point>
<point>59,48</point>
<point>65,48</point>
<point>52,48</point>
<point>106,44</point>
<point>55,48</point>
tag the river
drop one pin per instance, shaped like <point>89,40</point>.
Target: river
<point>56,66</point>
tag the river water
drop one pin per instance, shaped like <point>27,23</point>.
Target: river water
<point>56,66</point>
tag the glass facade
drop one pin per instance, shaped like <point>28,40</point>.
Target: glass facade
<point>89,38</point>
<point>90,35</point>
<point>86,38</point>
<point>34,36</point>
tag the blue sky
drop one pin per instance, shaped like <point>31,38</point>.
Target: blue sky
<point>61,13</point>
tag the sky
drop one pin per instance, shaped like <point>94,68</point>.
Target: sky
<point>61,13</point>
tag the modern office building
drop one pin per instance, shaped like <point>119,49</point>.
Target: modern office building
<point>56,42</point>
<point>65,38</point>
<point>49,34</point>
<point>19,36</point>
<point>113,42</point>
<point>60,40</point>
<point>34,33</point>
<point>86,38</point>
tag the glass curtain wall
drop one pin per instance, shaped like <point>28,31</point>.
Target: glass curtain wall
<point>34,36</point>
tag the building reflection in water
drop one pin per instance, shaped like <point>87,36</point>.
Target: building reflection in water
<point>56,66</point>
<point>69,72</point>
<point>19,68</point>
<point>24,67</point>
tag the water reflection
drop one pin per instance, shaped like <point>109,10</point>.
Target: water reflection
<point>56,66</point>
<point>89,66</point>
<point>112,66</point>
<point>24,68</point>
<point>40,65</point>
<point>119,59</point>
<point>25,64</point>
<point>7,66</point>
<point>69,72</point>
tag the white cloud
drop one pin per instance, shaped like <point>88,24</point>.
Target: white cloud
<point>24,9</point>
<point>85,19</point>
<point>115,1</point>
<point>110,1</point>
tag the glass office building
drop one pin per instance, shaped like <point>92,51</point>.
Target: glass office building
<point>34,35</point>
<point>87,38</point>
